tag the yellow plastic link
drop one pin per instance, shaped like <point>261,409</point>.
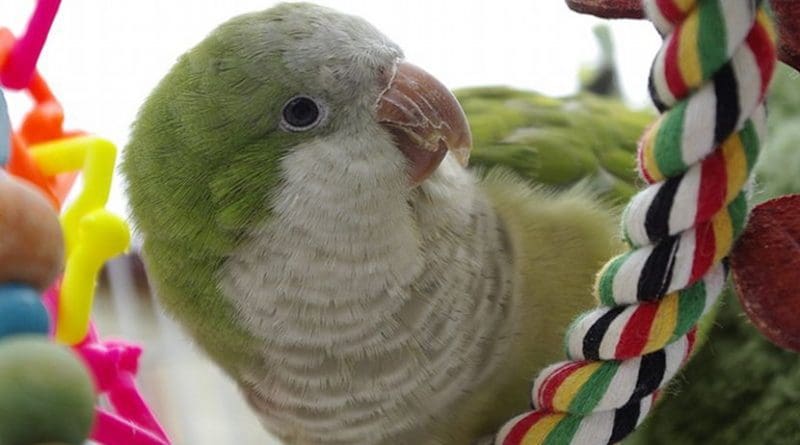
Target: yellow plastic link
<point>101,236</point>
<point>92,235</point>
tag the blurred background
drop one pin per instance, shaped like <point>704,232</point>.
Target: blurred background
<point>103,57</point>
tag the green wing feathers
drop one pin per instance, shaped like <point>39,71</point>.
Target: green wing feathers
<point>556,142</point>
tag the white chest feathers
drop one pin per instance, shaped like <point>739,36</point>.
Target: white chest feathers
<point>376,309</point>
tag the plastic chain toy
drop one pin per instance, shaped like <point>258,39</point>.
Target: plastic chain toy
<point>42,161</point>
<point>709,80</point>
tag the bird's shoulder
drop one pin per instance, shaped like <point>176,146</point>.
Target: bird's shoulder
<point>559,240</point>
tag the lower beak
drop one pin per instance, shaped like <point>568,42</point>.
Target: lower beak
<point>425,120</point>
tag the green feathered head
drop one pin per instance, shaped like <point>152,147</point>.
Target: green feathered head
<point>294,90</point>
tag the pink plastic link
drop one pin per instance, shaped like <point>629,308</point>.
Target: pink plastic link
<point>113,365</point>
<point>18,69</point>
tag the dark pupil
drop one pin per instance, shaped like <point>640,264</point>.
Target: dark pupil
<point>301,112</point>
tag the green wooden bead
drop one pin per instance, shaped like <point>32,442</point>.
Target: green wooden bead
<point>46,393</point>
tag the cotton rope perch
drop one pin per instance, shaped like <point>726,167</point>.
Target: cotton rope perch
<point>709,80</point>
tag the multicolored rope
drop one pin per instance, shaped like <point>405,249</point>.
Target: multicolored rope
<point>709,80</point>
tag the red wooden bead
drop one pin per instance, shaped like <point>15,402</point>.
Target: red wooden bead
<point>787,14</point>
<point>610,9</point>
<point>766,270</point>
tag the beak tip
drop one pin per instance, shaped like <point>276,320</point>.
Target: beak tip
<point>425,118</point>
<point>462,154</point>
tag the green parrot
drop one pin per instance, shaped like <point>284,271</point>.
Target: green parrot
<point>306,215</point>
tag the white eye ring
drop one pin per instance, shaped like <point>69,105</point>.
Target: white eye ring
<point>302,113</point>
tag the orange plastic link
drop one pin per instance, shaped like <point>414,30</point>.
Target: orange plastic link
<point>43,123</point>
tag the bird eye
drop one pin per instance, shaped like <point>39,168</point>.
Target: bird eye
<point>301,113</point>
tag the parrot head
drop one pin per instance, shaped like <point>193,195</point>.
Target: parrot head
<point>295,89</point>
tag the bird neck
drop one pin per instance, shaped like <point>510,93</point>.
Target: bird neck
<point>408,294</point>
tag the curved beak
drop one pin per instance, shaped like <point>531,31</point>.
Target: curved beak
<point>425,120</point>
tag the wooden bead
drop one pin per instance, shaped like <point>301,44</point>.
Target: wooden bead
<point>31,242</point>
<point>766,270</point>
<point>48,394</point>
<point>787,14</point>
<point>610,9</point>
<point>22,311</point>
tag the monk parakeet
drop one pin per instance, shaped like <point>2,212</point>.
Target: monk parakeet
<point>306,214</point>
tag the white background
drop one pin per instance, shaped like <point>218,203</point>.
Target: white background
<point>104,56</point>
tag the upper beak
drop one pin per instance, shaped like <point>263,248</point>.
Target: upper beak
<point>425,119</point>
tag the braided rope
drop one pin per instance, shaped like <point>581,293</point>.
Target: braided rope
<point>709,80</point>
